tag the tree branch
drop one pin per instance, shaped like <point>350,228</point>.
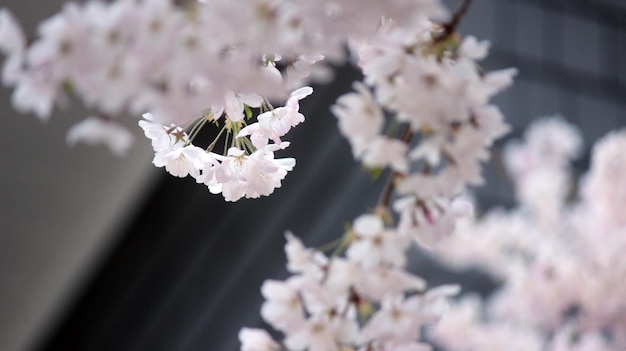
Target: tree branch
<point>450,27</point>
<point>385,197</point>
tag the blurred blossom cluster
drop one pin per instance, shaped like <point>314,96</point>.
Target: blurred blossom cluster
<point>559,254</point>
<point>188,63</point>
<point>365,300</point>
<point>133,56</point>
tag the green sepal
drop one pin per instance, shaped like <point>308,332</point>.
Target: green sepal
<point>374,172</point>
<point>248,111</point>
<point>67,87</point>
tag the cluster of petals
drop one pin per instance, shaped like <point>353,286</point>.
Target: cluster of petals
<point>560,259</point>
<point>430,221</point>
<point>131,56</point>
<point>274,124</point>
<point>421,82</point>
<point>604,184</point>
<point>100,131</point>
<point>234,175</point>
<point>413,78</point>
<point>361,121</point>
<point>540,164</point>
<point>365,300</point>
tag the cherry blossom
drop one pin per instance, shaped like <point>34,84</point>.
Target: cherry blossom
<point>373,245</point>
<point>156,47</point>
<point>333,303</point>
<point>603,186</point>
<point>181,161</point>
<point>277,122</point>
<point>256,340</point>
<point>251,176</point>
<point>95,130</point>
<point>242,171</point>
<point>430,221</point>
<point>283,307</point>
<point>360,118</point>
<point>12,44</point>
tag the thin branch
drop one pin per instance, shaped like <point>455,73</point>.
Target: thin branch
<point>385,196</point>
<point>450,27</point>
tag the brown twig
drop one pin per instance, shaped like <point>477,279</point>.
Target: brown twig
<point>450,27</point>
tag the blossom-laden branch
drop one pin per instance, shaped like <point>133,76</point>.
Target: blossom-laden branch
<point>439,93</point>
<point>365,299</point>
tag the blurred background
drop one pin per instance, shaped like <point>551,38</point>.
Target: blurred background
<point>106,253</point>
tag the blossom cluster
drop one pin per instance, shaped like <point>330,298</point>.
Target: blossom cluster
<point>558,254</point>
<point>367,299</point>
<point>247,168</point>
<point>428,82</point>
<point>364,300</point>
<point>177,60</point>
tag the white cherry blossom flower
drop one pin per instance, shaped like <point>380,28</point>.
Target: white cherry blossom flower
<point>430,221</point>
<point>398,320</point>
<point>182,161</point>
<point>302,260</point>
<point>12,44</point>
<point>375,283</point>
<point>360,118</point>
<point>383,152</point>
<point>96,130</point>
<point>276,123</point>
<point>35,92</point>
<point>61,48</point>
<point>252,176</point>
<point>283,308</point>
<point>256,340</point>
<point>321,333</point>
<point>374,245</point>
<point>163,138</point>
<point>472,48</point>
<point>234,103</point>
<point>342,275</point>
<point>13,38</point>
<point>603,187</point>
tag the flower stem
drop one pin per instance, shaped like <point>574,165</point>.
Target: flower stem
<point>196,128</point>
<point>385,197</point>
<point>330,245</point>
<point>212,145</point>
